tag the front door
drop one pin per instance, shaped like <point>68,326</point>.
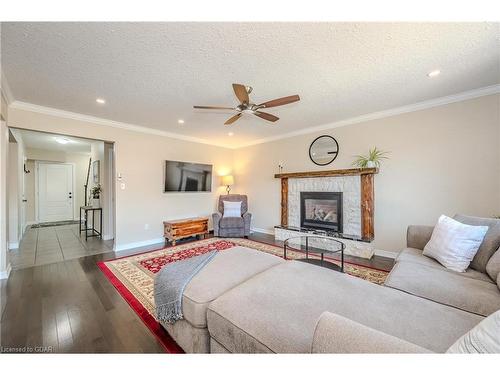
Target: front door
<point>55,192</point>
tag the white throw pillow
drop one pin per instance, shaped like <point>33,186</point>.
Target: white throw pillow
<point>232,209</point>
<point>483,338</point>
<point>454,244</point>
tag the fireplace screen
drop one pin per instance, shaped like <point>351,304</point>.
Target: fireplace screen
<point>321,210</point>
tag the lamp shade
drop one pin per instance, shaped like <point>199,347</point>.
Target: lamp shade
<point>227,180</point>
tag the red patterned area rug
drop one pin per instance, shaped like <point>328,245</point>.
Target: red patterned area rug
<point>133,276</point>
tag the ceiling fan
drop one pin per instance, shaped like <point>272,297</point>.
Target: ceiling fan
<point>246,106</point>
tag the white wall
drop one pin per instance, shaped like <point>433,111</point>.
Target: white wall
<point>443,160</point>
<point>4,146</point>
<point>142,206</point>
<point>16,189</point>
<point>13,209</point>
<point>81,162</point>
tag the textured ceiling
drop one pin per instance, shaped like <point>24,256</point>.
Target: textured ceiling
<point>151,74</point>
<point>47,141</point>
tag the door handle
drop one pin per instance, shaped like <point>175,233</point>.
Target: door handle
<point>25,200</point>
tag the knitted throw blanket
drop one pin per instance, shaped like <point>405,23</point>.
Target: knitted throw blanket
<point>170,283</point>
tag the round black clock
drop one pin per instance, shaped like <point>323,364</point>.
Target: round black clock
<point>323,150</point>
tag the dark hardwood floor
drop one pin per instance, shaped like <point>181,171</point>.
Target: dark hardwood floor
<point>71,307</point>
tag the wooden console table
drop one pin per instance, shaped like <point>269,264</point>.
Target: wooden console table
<point>176,229</point>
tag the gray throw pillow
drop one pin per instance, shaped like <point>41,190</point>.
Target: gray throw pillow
<point>483,338</point>
<point>490,243</point>
<point>493,266</point>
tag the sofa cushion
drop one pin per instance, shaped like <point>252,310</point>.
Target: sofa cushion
<point>416,256</point>
<point>454,244</point>
<point>336,334</point>
<point>226,270</point>
<point>232,222</point>
<point>491,240</point>
<point>277,311</point>
<point>483,338</point>
<point>448,288</point>
<point>493,265</point>
<point>417,236</point>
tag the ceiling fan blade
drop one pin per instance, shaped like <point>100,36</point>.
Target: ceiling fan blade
<point>280,101</point>
<point>241,93</point>
<point>232,119</point>
<point>266,116</point>
<point>209,107</point>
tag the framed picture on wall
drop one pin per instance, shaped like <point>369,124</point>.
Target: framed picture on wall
<point>95,171</point>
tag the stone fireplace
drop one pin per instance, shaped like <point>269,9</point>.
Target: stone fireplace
<point>333,203</point>
<point>321,210</point>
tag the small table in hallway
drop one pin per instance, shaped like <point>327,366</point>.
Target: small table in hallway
<point>94,231</point>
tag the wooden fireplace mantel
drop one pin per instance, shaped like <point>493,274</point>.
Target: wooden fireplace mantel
<point>367,194</point>
<point>330,173</point>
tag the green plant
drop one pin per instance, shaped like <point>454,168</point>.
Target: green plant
<point>374,155</point>
<point>96,191</point>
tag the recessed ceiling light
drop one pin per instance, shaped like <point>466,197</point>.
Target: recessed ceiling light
<point>180,121</point>
<point>434,73</point>
<point>100,101</point>
<point>62,141</point>
<point>230,134</point>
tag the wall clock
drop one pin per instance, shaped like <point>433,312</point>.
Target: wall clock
<point>323,150</point>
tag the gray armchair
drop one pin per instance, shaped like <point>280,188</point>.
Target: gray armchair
<point>232,226</point>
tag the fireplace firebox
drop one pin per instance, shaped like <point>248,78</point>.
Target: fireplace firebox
<point>321,210</point>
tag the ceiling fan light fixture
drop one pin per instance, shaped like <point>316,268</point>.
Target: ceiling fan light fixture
<point>246,106</point>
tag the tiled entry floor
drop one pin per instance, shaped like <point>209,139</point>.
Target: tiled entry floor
<point>55,244</point>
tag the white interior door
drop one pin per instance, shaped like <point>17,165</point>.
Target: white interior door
<point>55,192</point>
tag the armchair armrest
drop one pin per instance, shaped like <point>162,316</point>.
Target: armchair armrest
<point>247,217</point>
<point>417,236</point>
<point>336,334</point>
<point>216,216</point>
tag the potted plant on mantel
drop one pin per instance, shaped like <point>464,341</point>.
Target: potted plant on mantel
<point>95,193</point>
<point>372,160</point>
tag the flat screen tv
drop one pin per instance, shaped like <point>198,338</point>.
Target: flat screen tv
<point>181,176</point>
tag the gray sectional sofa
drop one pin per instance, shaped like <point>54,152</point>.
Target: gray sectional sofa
<point>246,301</point>
<point>475,291</point>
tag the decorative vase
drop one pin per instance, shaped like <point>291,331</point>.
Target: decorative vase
<point>96,202</point>
<point>370,164</point>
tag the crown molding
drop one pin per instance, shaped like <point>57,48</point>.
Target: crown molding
<point>101,121</point>
<point>436,102</point>
<point>5,89</point>
<point>466,95</point>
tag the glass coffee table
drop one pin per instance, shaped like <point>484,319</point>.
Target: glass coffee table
<point>316,248</point>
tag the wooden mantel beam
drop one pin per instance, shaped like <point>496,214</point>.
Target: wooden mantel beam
<point>330,173</point>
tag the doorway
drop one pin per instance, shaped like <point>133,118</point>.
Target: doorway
<point>61,174</point>
<point>54,191</point>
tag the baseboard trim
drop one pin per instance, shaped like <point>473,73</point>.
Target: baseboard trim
<point>386,254</point>
<point>5,274</point>
<point>133,245</point>
<point>261,230</point>
<point>13,245</point>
